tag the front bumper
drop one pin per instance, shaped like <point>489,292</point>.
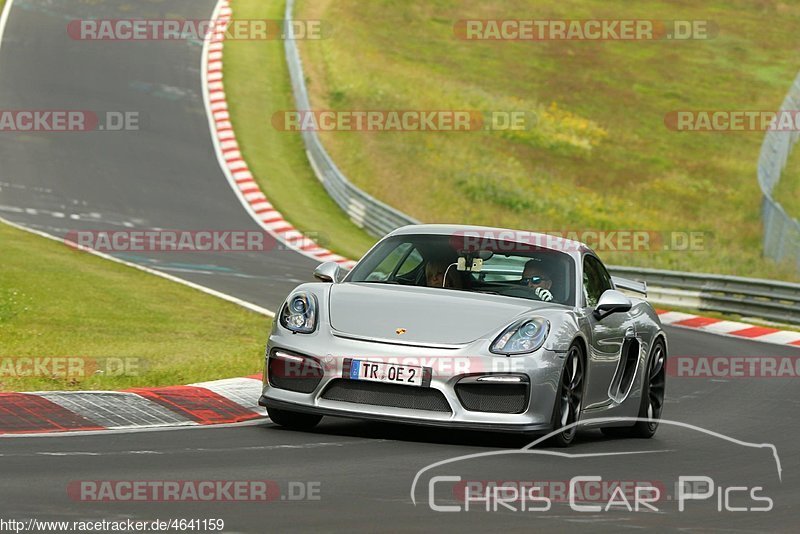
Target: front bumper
<point>464,425</point>
<point>449,366</point>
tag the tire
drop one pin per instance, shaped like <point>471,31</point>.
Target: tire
<point>652,403</point>
<point>570,391</point>
<point>293,420</point>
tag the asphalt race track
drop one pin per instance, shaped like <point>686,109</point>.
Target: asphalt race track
<point>166,176</point>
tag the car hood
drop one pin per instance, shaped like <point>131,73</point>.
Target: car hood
<point>429,316</point>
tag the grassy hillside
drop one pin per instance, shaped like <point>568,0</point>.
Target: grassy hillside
<point>600,157</point>
<point>138,329</point>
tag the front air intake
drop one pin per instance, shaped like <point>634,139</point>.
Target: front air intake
<point>392,395</point>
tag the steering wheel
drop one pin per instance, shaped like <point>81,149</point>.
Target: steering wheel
<point>519,291</point>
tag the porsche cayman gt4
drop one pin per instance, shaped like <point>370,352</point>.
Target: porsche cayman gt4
<point>469,327</point>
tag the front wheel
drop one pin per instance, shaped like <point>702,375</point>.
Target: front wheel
<point>653,391</point>
<point>293,420</point>
<point>569,398</point>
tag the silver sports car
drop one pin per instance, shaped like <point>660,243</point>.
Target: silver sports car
<point>469,327</point>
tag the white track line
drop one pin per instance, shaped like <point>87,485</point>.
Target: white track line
<point>136,430</point>
<point>75,397</point>
<point>250,306</point>
<point>4,18</point>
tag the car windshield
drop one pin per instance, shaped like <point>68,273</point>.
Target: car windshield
<point>498,267</point>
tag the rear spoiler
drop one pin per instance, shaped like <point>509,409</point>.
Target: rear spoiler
<point>630,285</point>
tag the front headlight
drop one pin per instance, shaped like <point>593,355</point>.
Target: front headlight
<point>299,313</point>
<point>522,337</point>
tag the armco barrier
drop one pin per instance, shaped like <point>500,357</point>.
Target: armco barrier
<point>776,301</point>
<point>748,297</point>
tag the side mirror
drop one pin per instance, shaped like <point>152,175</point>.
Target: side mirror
<point>328,272</point>
<point>611,301</point>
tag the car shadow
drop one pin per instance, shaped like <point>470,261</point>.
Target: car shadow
<point>350,428</point>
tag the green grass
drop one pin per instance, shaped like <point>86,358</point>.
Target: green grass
<point>60,303</point>
<point>601,157</point>
<point>257,85</point>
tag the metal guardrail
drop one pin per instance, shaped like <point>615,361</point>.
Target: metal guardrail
<point>364,210</point>
<point>748,297</point>
<point>776,301</point>
<point>781,232</point>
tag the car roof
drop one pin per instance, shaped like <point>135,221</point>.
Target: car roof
<point>568,246</point>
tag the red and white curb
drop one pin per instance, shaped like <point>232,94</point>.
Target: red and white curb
<point>233,164</point>
<point>233,400</point>
<point>730,328</point>
<point>208,403</point>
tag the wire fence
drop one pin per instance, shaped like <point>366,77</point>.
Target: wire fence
<point>781,232</point>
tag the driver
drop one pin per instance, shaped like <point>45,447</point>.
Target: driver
<point>538,278</point>
<point>435,271</point>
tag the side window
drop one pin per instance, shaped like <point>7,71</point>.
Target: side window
<point>411,262</point>
<point>604,276</point>
<point>385,268</point>
<point>595,280</point>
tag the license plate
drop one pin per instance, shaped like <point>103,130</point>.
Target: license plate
<point>390,373</point>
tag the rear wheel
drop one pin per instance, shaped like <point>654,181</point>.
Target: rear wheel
<point>569,398</point>
<point>293,420</point>
<point>652,403</point>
